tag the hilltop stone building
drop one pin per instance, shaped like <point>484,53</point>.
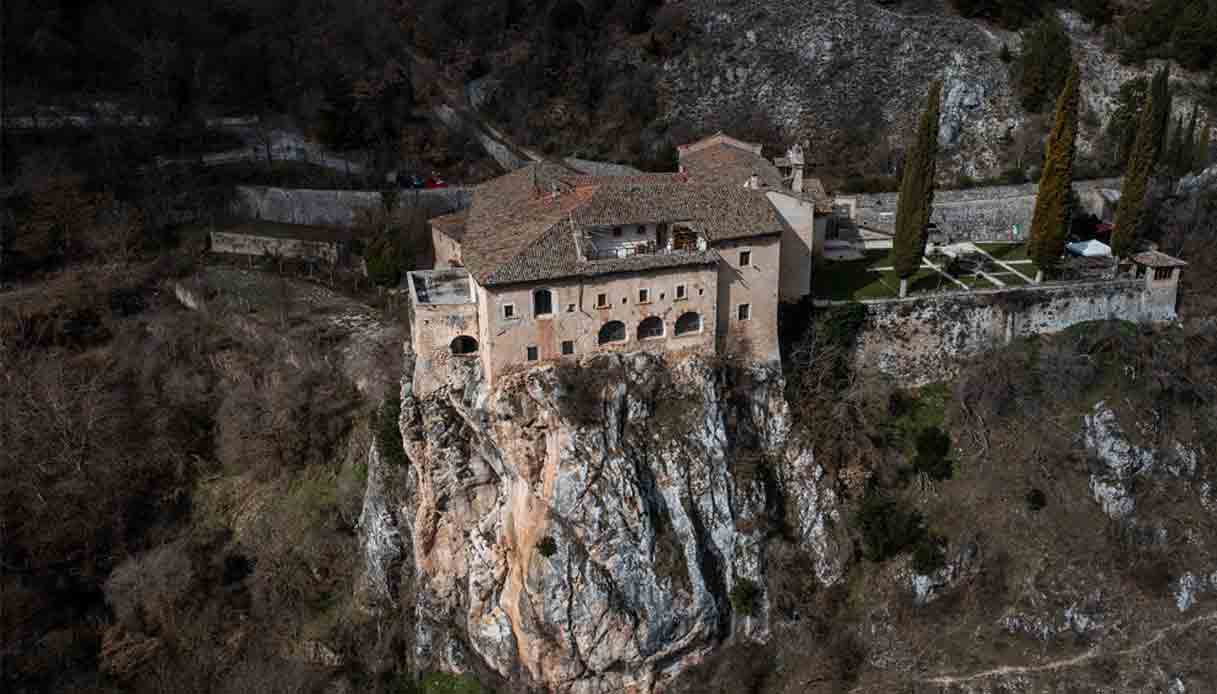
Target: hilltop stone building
<point>549,263</point>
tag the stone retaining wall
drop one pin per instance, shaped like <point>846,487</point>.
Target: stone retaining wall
<point>337,207</point>
<point>924,339</point>
<point>988,213</point>
<point>255,245</point>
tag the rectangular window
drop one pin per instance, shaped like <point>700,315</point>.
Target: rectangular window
<point>568,346</point>
<point>602,301</point>
<point>532,353</point>
<point>509,310</point>
<point>644,296</point>
<point>681,292</point>
<point>616,231</point>
<point>745,258</point>
<point>744,312</point>
<point>570,308</point>
<point>1162,273</point>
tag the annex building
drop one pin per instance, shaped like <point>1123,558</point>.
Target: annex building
<point>549,263</point>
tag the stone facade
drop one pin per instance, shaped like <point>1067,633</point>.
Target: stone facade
<point>924,339</point>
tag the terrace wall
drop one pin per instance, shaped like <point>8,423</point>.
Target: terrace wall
<point>988,213</point>
<point>337,207</point>
<point>919,340</point>
<point>255,245</point>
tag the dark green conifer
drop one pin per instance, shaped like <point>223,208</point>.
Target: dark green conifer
<point>1187,154</point>
<point>1161,91</point>
<point>917,190</point>
<point>1050,223</point>
<point>1136,183</point>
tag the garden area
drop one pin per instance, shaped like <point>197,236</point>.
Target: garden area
<point>958,268</point>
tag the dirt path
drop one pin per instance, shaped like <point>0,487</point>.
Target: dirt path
<point>1082,659</point>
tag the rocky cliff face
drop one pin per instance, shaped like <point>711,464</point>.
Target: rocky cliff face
<point>592,529</point>
<point>824,70</point>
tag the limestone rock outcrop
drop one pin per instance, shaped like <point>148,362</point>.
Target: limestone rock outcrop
<point>596,528</point>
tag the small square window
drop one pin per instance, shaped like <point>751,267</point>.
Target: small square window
<point>570,308</point>
<point>602,301</point>
<point>509,310</point>
<point>682,292</point>
<point>744,312</point>
<point>644,296</point>
<point>532,353</point>
<point>745,258</point>
<point>568,346</point>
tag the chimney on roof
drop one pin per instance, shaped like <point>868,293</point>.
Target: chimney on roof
<point>795,156</point>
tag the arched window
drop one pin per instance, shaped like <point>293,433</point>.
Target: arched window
<point>650,328</point>
<point>688,324</point>
<point>463,344</point>
<point>612,331</point>
<point>542,302</point>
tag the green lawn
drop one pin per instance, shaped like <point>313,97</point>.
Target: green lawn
<point>976,281</point>
<point>1005,251</point>
<point>854,280</point>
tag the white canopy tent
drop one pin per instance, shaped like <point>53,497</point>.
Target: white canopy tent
<point>1089,249</point>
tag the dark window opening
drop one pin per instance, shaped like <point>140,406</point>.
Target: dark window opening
<point>532,353</point>
<point>509,310</point>
<point>1162,273</point>
<point>612,331</point>
<point>650,328</point>
<point>463,344</point>
<point>745,311</point>
<point>681,291</point>
<point>688,324</point>
<point>745,258</point>
<point>568,346</point>
<point>542,302</point>
<point>602,301</point>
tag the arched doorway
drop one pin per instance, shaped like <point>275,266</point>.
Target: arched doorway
<point>463,345</point>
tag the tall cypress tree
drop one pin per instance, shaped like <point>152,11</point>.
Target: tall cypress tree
<point>1173,159</point>
<point>1136,183</point>
<point>917,192</point>
<point>1187,157</point>
<point>1200,160</point>
<point>1160,89</point>
<point>1050,223</point>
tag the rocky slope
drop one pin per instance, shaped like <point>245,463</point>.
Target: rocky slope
<point>589,530</point>
<point>832,70</point>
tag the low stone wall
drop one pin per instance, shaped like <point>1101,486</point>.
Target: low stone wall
<point>337,207</point>
<point>250,244</point>
<point>924,339</point>
<point>989,213</point>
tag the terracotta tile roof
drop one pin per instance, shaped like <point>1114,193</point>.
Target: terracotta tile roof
<point>521,226</point>
<point>1157,259</point>
<point>451,225</point>
<point>728,165</point>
